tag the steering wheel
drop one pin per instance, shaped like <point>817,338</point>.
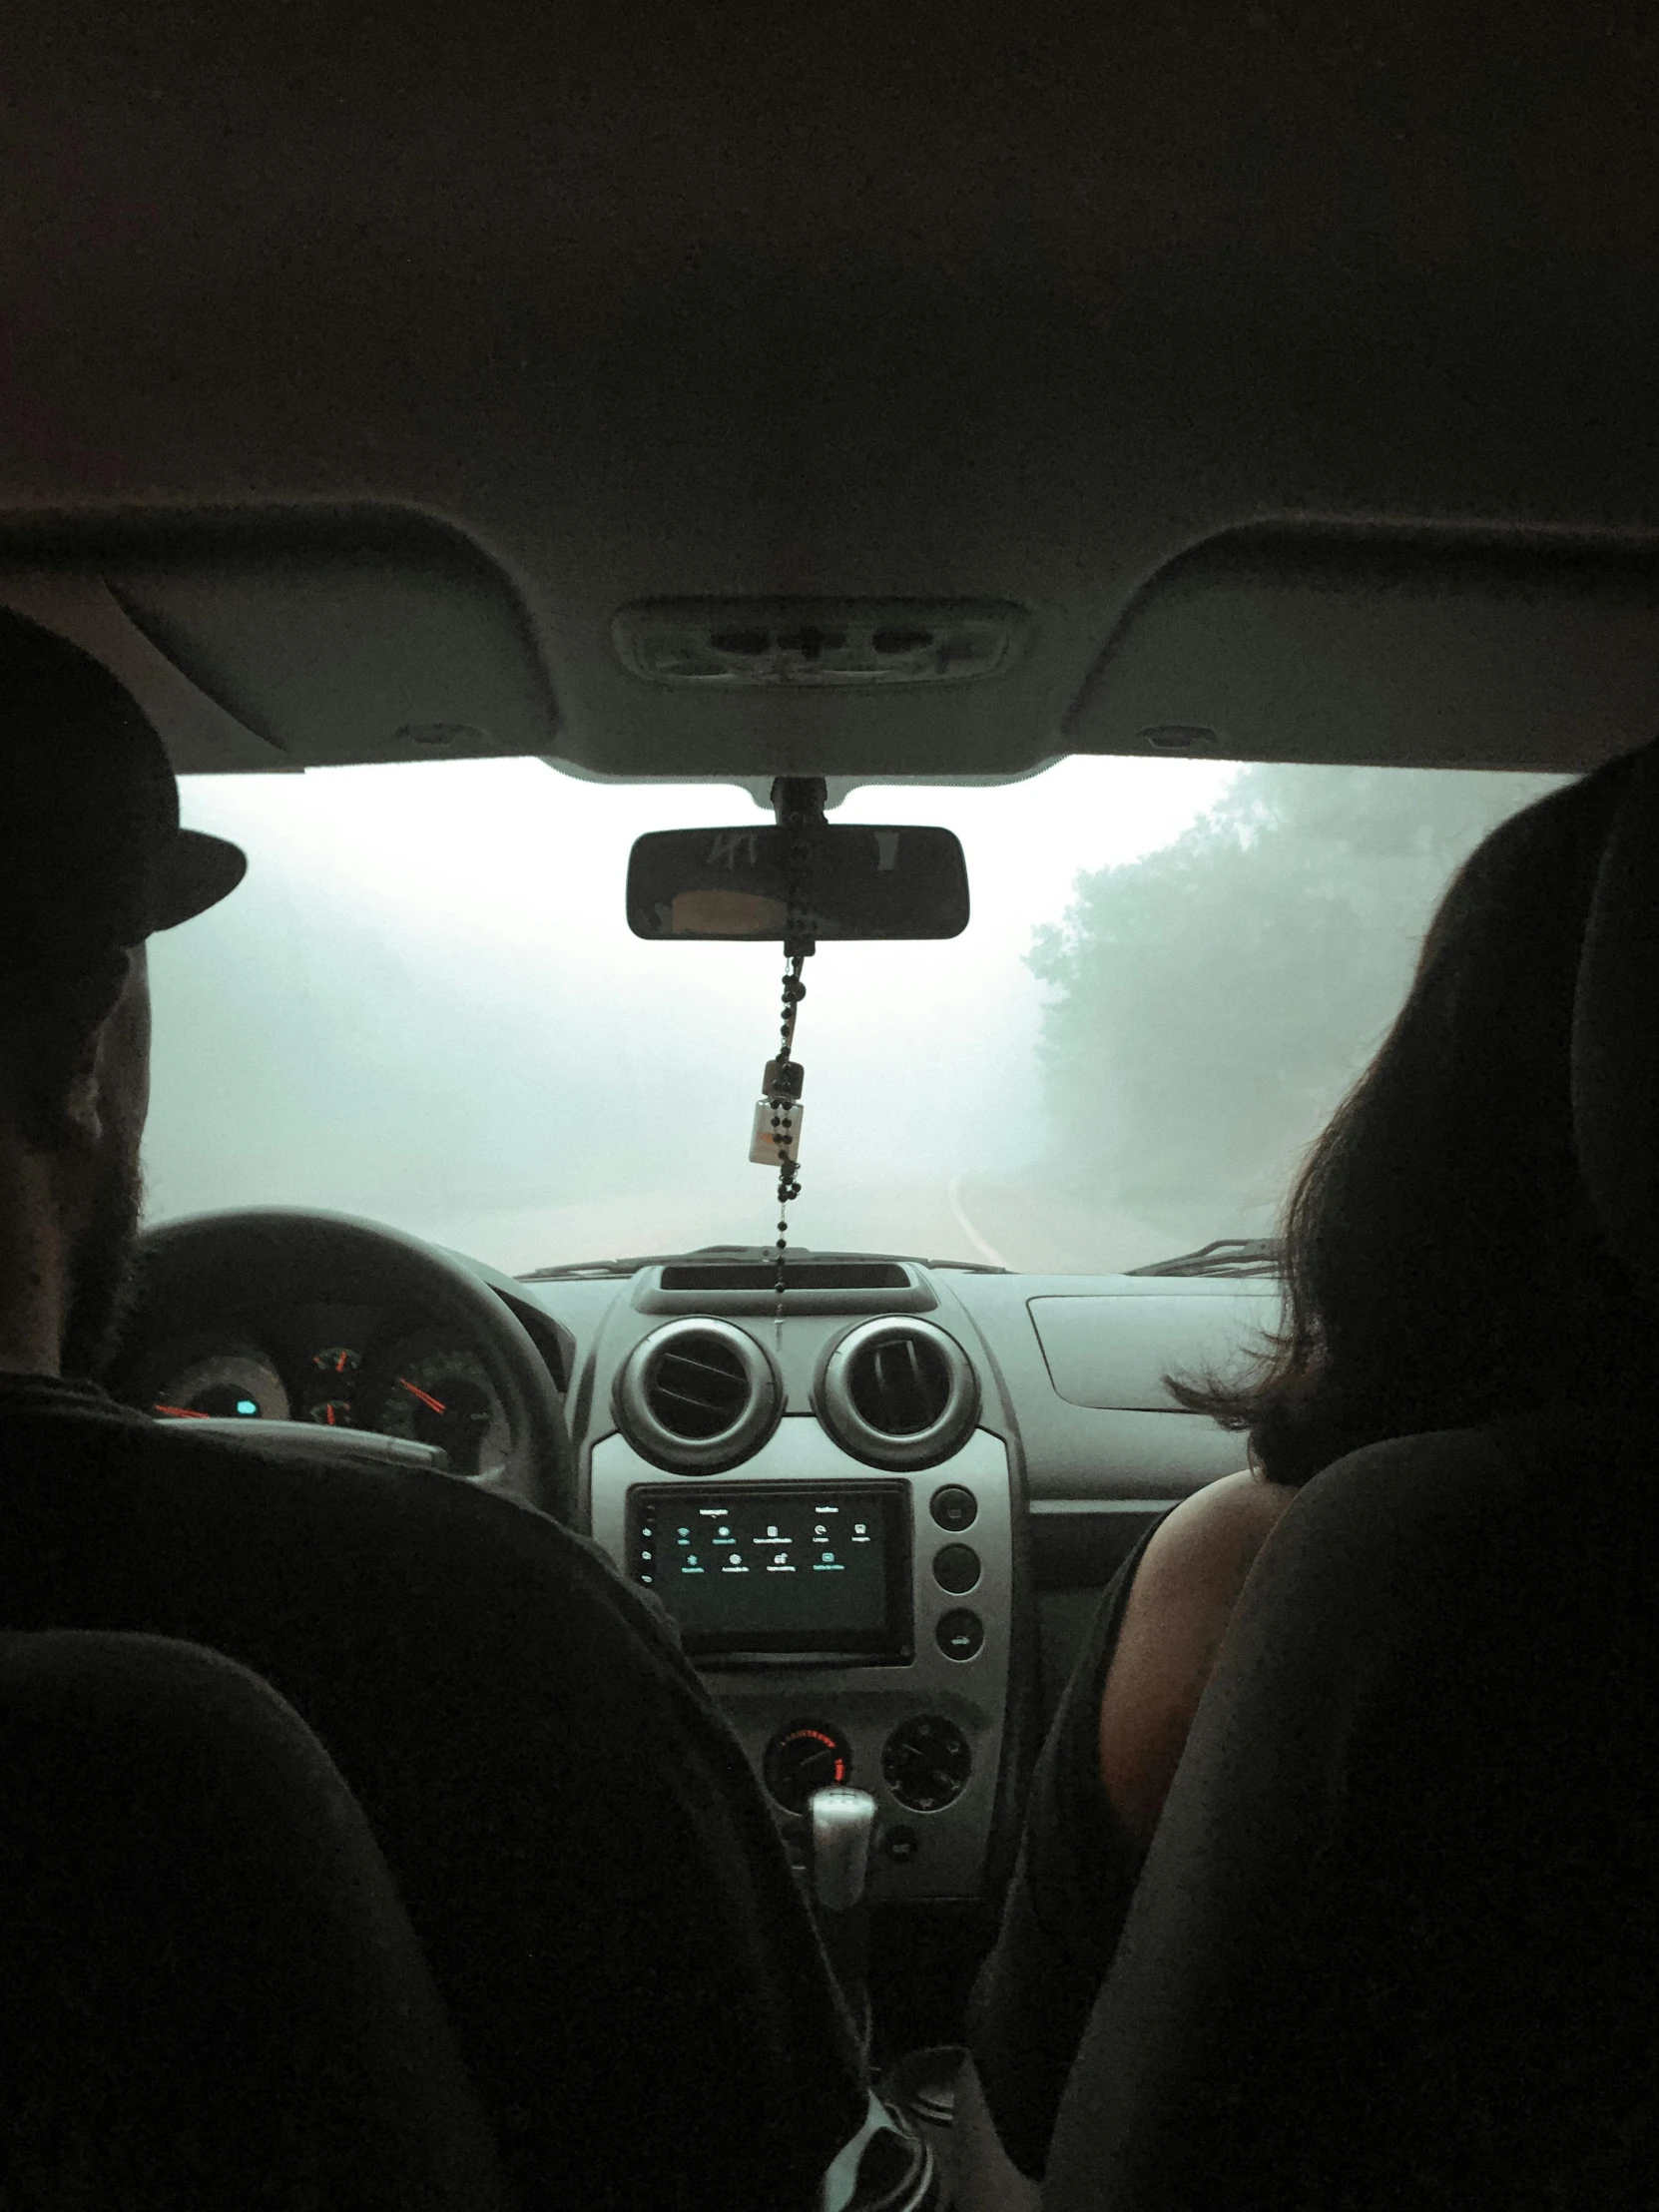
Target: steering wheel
<point>303,1255</point>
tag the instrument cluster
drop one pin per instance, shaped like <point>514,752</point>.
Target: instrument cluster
<point>341,1367</point>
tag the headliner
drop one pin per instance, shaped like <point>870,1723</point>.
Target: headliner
<point>1289,366</point>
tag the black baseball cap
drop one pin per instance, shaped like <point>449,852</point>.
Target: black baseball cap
<point>90,842</point>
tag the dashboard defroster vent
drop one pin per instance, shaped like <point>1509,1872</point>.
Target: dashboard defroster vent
<point>698,1396</point>
<point>897,1394</point>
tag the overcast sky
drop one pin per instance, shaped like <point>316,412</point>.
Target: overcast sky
<point>424,1005</point>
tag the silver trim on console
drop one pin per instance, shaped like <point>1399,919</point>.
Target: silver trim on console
<point>867,1699</point>
<point>706,1454</point>
<point>879,1448</point>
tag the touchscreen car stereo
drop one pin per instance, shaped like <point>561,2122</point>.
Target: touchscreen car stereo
<point>785,1568</point>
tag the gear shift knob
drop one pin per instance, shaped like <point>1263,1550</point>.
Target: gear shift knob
<point>841,1822</point>
<point>842,1819</point>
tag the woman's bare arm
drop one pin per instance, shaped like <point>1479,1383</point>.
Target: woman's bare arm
<point>1179,1604</point>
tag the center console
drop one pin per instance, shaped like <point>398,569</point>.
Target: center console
<point>825,1503</point>
<point>852,1632</point>
<point>825,1512</point>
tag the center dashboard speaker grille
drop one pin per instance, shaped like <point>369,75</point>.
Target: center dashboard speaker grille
<point>698,1397</point>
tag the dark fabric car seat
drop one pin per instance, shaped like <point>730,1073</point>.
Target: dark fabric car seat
<point>1397,1939</point>
<point>210,1994</point>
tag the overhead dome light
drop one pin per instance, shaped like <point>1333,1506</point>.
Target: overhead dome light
<point>759,644</point>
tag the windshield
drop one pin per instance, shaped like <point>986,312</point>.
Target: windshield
<point>424,1005</point>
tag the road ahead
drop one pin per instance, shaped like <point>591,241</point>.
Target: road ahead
<point>1023,1226</point>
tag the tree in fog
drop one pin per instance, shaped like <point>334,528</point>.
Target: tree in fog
<point>1214,1000</point>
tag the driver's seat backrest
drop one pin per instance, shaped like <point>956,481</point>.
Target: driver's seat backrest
<point>210,1994</point>
<point>1396,1942</point>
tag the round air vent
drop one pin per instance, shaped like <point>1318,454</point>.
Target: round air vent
<point>697,1394</point>
<point>897,1394</point>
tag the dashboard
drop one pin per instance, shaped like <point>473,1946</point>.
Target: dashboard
<point>866,1518</point>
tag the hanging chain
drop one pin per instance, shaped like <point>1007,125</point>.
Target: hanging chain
<point>785,1094</point>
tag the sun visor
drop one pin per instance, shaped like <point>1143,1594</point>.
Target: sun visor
<point>195,730</point>
<point>1382,650</point>
<point>306,642</point>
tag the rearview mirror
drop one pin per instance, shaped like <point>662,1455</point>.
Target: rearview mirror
<point>864,882</point>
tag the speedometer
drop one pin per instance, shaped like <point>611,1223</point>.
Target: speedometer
<point>238,1383</point>
<point>438,1396</point>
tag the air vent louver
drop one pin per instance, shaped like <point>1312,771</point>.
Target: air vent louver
<point>900,1386</point>
<point>698,1389</point>
<point>897,1394</point>
<point>696,1395</point>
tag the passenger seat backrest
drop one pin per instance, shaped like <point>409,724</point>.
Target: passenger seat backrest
<point>1615,1048</point>
<point>1396,1941</point>
<point>210,1994</point>
<point>1396,1944</point>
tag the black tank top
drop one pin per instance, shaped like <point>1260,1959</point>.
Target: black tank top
<point>1065,1909</point>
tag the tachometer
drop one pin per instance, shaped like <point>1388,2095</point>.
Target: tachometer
<point>241,1383</point>
<point>441,1396</point>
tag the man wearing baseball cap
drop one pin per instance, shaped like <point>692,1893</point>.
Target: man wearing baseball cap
<point>92,860</point>
<point>635,1982</point>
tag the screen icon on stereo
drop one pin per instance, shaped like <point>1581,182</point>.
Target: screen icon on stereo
<point>790,1570</point>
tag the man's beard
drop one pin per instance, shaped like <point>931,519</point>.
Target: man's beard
<point>104,1271</point>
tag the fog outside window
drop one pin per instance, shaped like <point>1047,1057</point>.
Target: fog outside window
<point>424,1005</point>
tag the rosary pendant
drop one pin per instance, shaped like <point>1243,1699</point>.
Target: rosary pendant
<point>777,1130</point>
<point>777,1126</point>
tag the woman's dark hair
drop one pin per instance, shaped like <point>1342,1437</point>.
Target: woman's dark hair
<point>1443,1268</point>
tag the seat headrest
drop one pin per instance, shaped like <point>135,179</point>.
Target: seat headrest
<point>1615,1037</point>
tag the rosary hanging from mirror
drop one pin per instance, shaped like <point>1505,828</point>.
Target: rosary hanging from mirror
<point>775,1137</point>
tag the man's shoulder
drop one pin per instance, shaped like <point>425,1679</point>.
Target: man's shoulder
<point>406,1517</point>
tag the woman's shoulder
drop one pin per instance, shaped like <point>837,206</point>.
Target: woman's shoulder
<point>1207,1543</point>
<point>1175,1617</point>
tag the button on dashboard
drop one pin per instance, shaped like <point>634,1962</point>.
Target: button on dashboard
<point>960,1634</point>
<point>954,1506</point>
<point>956,1567</point>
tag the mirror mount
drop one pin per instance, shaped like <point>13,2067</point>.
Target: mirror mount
<point>798,807</point>
<point>801,795</point>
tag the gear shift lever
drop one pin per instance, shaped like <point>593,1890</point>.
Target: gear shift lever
<point>841,1823</point>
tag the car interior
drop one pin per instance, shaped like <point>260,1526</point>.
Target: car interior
<point>894,401</point>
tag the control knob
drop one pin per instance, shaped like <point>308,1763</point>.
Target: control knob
<point>802,1757</point>
<point>926,1762</point>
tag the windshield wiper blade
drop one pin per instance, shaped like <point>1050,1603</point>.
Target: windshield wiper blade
<point>1226,1255</point>
<point>961,1266</point>
<point>598,1271</point>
